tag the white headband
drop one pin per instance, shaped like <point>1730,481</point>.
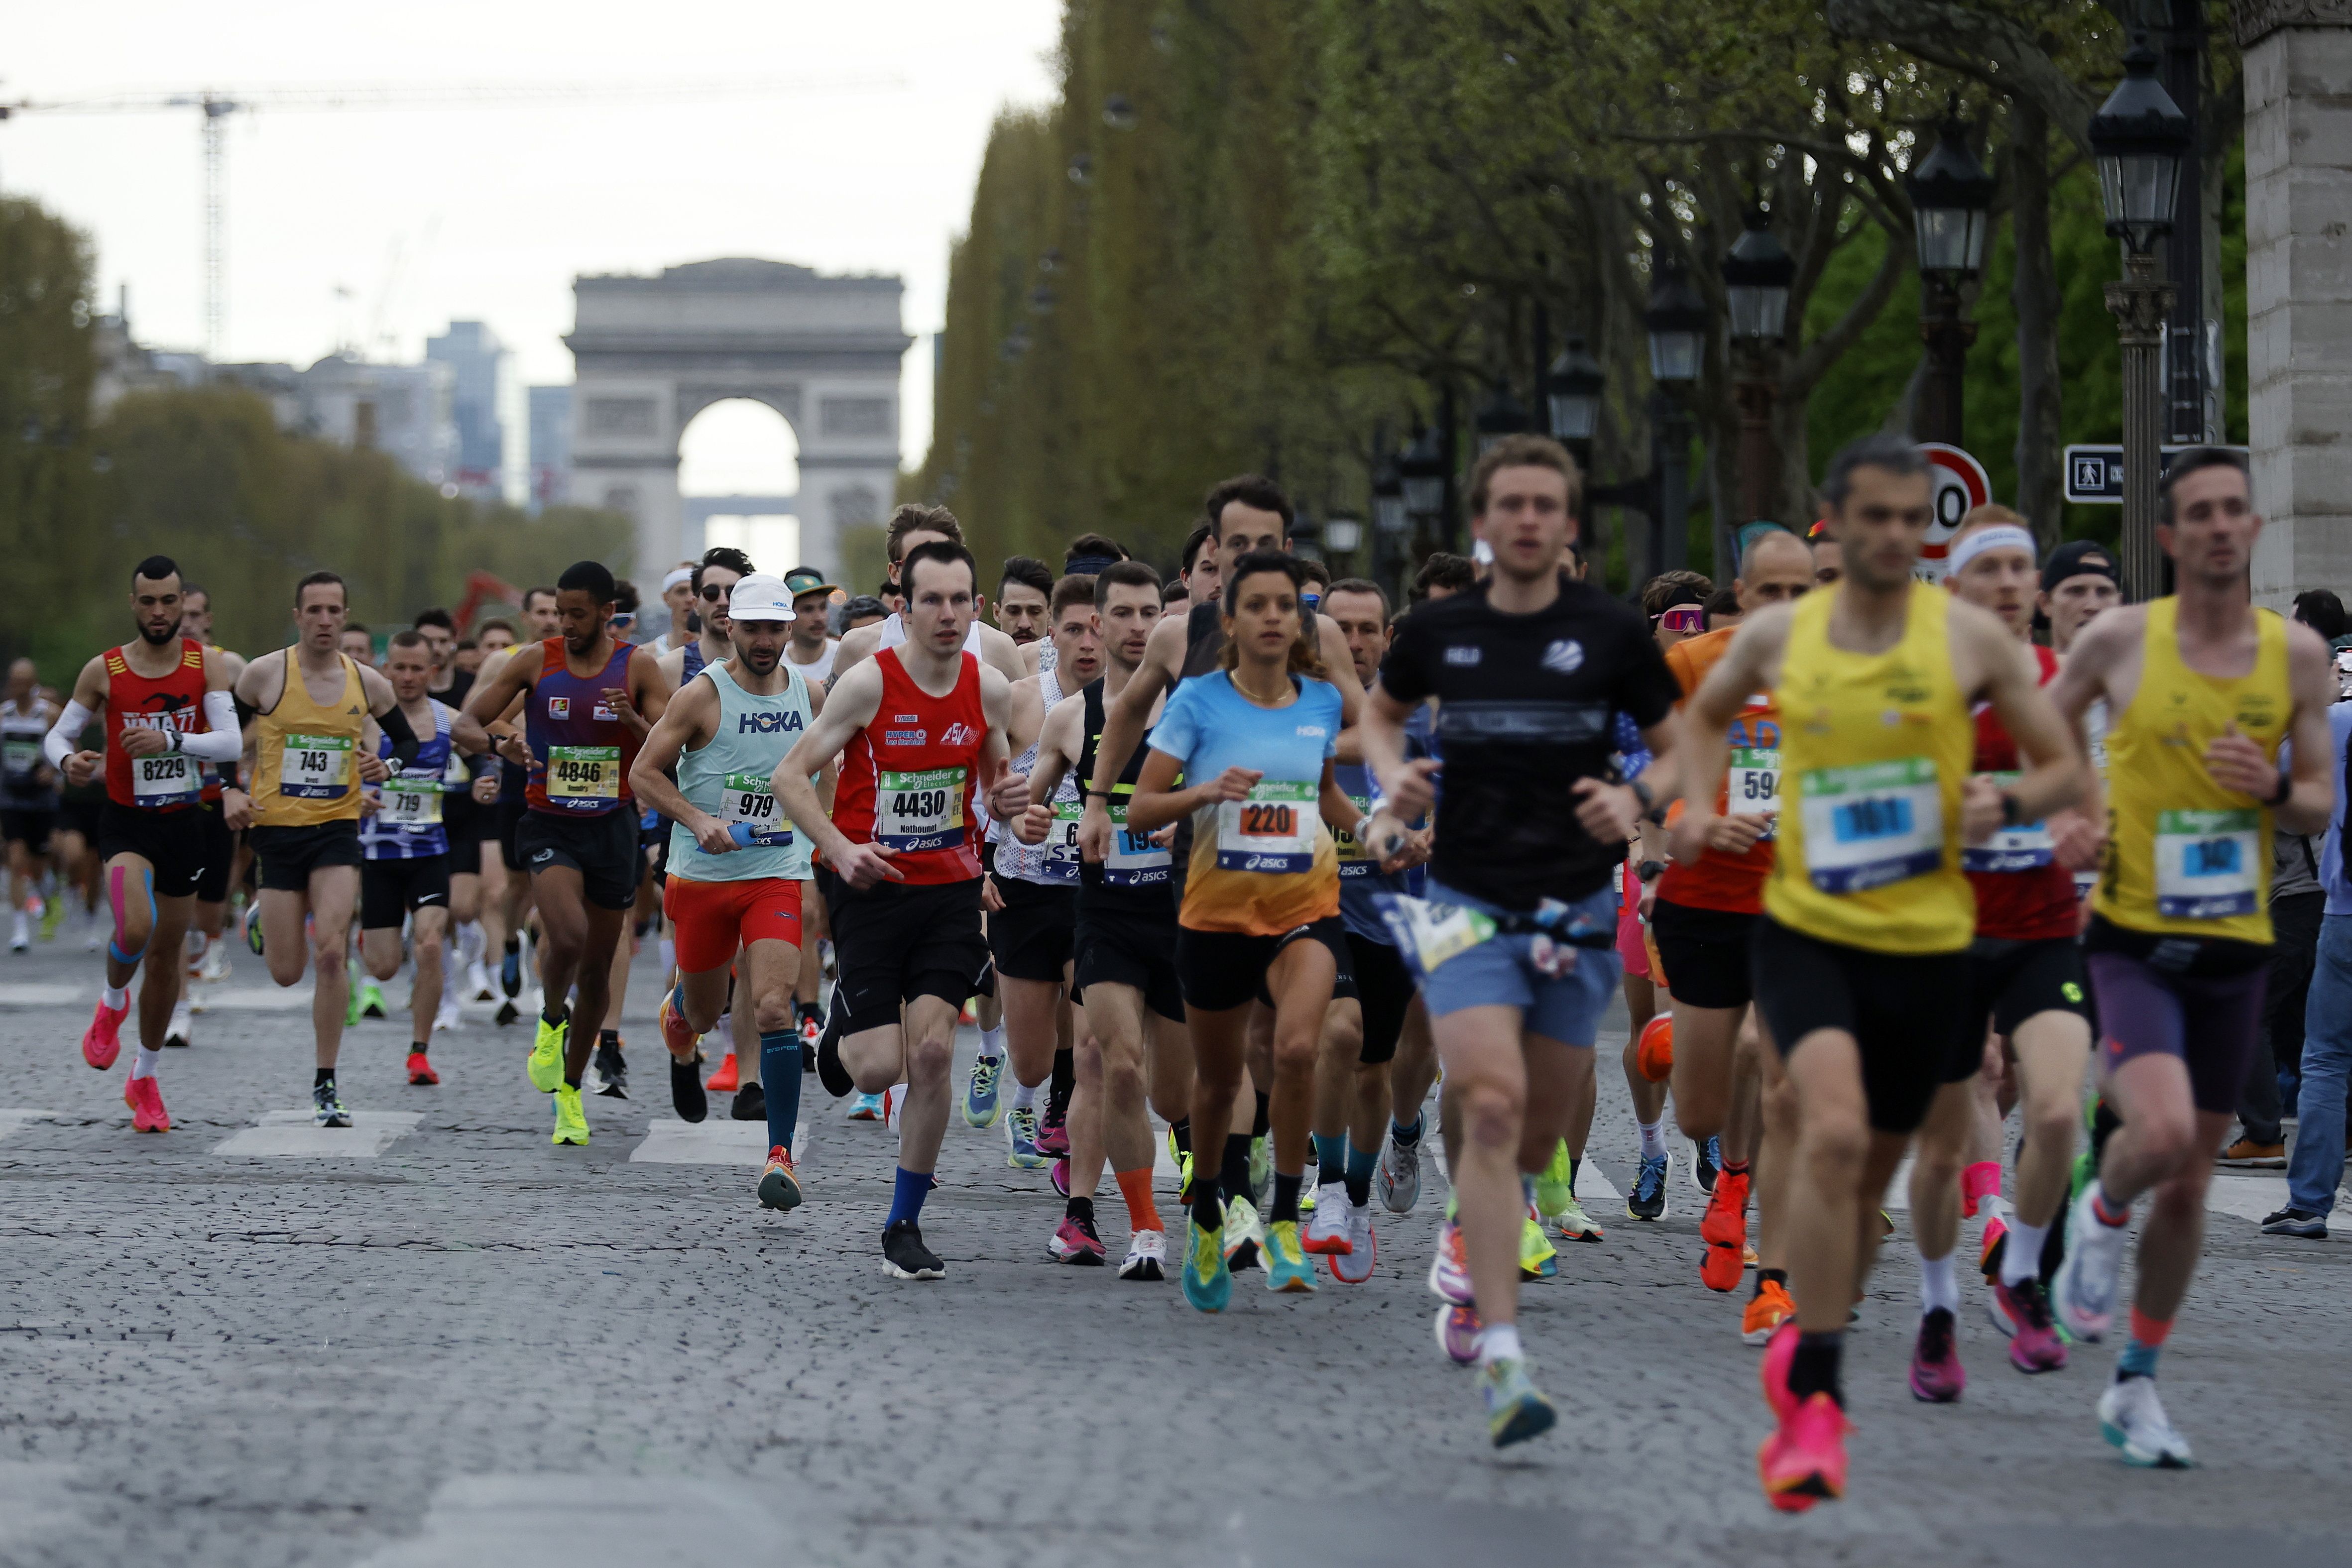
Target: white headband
<point>2001,535</point>
<point>683,574</point>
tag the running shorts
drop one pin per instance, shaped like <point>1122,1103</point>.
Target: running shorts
<point>30,827</point>
<point>80,810</point>
<point>1380,983</point>
<point>896,941</point>
<point>602,849</point>
<point>389,889</point>
<point>164,840</point>
<point>508,815</point>
<point>1908,1012</point>
<point>710,921</point>
<point>289,855</point>
<point>1222,969</point>
<point>1705,952</point>
<point>1565,1006</point>
<point>220,856</point>
<point>1115,947</point>
<point>1031,938</point>
<point>2198,1001</point>
<point>2017,979</point>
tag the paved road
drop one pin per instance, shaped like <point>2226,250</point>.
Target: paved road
<point>474,1348</point>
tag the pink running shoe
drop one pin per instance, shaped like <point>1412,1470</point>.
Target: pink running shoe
<point>1937,1375</point>
<point>1780,1355</point>
<point>676,1034</point>
<point>1804,1462</point>
<point>102,1043</point>
<point>2022,1313</point>
<point>1074,1241</point>
<point>146,1103</point>
<point>1449,1272</point>
<point>1458,1328</point>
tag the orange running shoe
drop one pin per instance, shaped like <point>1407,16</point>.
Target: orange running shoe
<point>1770,1308</point>
<point>146,1103</point>
<point>1725,1224</point>
<point>1804,1462</point>
<point>420,1072</point>
<point>102,1043</point>
<point>1655,1055</point>
<point>1996,1235</point>
<point>1722,1269</point>
<point>723,1081</point>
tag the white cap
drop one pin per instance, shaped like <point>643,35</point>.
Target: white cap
<point>683,574</point>
<point>760,597</point>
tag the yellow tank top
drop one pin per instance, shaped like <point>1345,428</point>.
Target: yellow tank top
<point>2185,855</point>
<point>306,770</point>
<point>1873,751</point>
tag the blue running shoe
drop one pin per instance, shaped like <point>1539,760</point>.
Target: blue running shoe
<point>510,972</point>
<point>979,1094</point>
<point>1648,1198</point>
<point>1515,1410</point>
<point>1207,1283</point>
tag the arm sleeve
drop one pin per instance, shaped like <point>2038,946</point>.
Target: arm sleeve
<point>58,744</point>
<point>405,743</point>
<point>222,741</point>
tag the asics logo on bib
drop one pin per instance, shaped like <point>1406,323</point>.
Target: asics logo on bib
<point>766,723</point>
<point>906,736</point>
<point>1564,658</point>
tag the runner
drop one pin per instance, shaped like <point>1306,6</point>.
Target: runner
<point>736,863</point>
<point>588,702</point>
<point>167,708</point>
<point>405,871</point>
<point>517,972</point>
<point>1023,596</point>
<point>1859,961</point>
<point>1260,919</point>
<point>312,704</point>
<point>1704,919</point>
<point>466,822</point>
<point>28,795</point>
<point>678,599</point>
<point>924,725</point>
<point>911,527</point>
<point>811,652</point>
<point>1124,963</point>
<point>2201,689</point>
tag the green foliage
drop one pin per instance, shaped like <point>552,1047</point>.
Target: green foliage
<point>46,367</point>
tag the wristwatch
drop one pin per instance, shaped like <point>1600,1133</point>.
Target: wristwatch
<point>2010,813</point>
<point>1650,871</point>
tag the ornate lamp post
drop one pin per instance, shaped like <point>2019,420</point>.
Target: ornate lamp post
<point>1756,277</point>
<point>1677,324</point>
<point>1500,415</point>
<point>1572,390</point>
<point>1951,201</point>
<point>2138,138</point>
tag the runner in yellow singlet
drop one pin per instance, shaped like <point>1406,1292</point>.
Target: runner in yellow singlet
<point>1860,957</point>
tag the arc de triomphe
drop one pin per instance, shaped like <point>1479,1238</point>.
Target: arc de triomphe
<point>652,352</point>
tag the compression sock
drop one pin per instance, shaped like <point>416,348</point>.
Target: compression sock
<point>779,1073</point>
<point>1286,1196</point>
<point>142,1063</point>
<point>1939,1285</point>
<point>1208,1200</point>
<point>906,1197</point>
<point>1814,1369</point>
<point>1653,1140</point>
<point>1498,1341</point>
<point>1777,1276</point>
<point>1404,1138</point>
<point>1330,1157</point>
<point>1181,1128</point>
<point>555,1013</point>
<point>116,997</point>
<point>1135,1186</point>
<point>1260,1121</point>
<point>1575,1168</point>
<point>1361,1163</point>
<point>2148,1337</point>
<point>321,1075</point>
<point>1235,1176</point>
<point>2020,1255</point>
<point>1064,1080</point>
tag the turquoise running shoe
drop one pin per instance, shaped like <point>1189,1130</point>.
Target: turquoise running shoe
<point>1208,1284</point>
<point>1287,1267</point>
<point>1516,1410</point>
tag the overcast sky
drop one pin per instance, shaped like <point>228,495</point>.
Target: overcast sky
<point>377,227</point>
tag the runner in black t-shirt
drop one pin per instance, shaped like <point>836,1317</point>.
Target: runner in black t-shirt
<point>1516,943</point>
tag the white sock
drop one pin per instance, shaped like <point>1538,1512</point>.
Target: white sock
<point>116,997</point>
<point>1653,1138</point>
<point>1498,1341</point>
<point>2021,1254</point>
<point>992,1042</point>
<point>144,1061</point>
<point>1939,1285</point>
<point>1024,1095</point>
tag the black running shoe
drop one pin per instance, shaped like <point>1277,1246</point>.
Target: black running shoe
<point>1709,1161</point>
<point>829,1070</point>
<point>507,1012</point>
<point>613,1070</point>
<point>685,1095</point>
<point>750,1103</point>
<point>904,1255</point>
<point>2297,1222</point>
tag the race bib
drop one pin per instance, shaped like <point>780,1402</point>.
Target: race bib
<point>1061,845</point>
<point>2208,863</point>
<point>2026,847</point>
<point>588,775</point>
<point>169,779</point>
<point>1354,859</point>
<point>1870,825</point>
<point>1428,933</point>
<point>1273,831</point>
<point>411,804</point>
<point>920,810</point>
<point>19,758</point>
<point>1752,788</point>
<point>315,767</point>
<point>1134,860</point>
<point>751,799</point>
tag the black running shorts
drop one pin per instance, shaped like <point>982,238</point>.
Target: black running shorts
<point>1705,952</point>
<point>1909,1012</point>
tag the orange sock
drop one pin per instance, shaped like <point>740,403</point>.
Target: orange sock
<point>2150,1332</point>
<point>1135,1186</point>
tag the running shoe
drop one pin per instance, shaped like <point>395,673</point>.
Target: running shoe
<point>2085,1291</point>
<point>54,916</point>
<point>1354,1266</point>
<point>1980,1188</point>
<point>1306,1191</point>
<point>213,968</point>
<point>677,1035</point>
<point>510,970</point>
<point>686,1096</point>
<point>507,1012</point>
<point>1937,1375</point>
<point>182,1026</point>
<point>2022,1313</point>
<point>1555,1188</point>
<point>477,984</point>
<point>420,1071</point>
<point>546,1063</point>
<point>1767,1309</point>
<point>865,1108</point>
<point>327,1106</point>
<point>724,1081</point>
<point>1726,1221</point>
<point>146,1103</point>
<point>2305,1224</point>
<point>1989,1251</point>
<point>904,1255</point>
<point>2132,1418</point>
<point>980,1101</point>
<point>1538,1258</point>
<point>1287,1266</point>
<point>1207,1283</point>
<point>1398,1176</point>
<point>1648,1198</point>
<point>570,1119</point>
<point>447,1016</point>
<point>612,1067</point>
<point>1705,1162</point>
<point>1720,1268</point>
<point>1772,1372</point>
<point>1804,1462</point>
<point>751,1105</point>
<point>1058,1174</point>
<point>1260,1170</point>
<point>1449,1267</point>
<point>1515,1410</point>
<point>1053,1130</point>
<point>1147,1257</point>
<point>1328,1231</point>
<point>1021,1134</point>
<point>1574,1225</point>
<point>1458,1328</point>
<point>780,1182</point>
<point>1244,1236</point>
<point>1074,1241</point>
<point>102,1043</point>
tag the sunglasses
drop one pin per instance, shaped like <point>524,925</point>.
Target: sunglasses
<point>712,592</point>
<point>1685,618</point>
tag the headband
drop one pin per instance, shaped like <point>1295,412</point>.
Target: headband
<point>2001,535</point>
<point>682,575</point>
<point>1089,565</point>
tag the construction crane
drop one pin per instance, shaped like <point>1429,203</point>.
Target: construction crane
<point>215,106</point>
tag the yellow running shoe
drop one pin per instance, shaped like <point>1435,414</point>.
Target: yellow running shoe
<point>546,1064</point>
<point>1553,1191</point>
<point>1538,1260</point>
<point>570,1121</point>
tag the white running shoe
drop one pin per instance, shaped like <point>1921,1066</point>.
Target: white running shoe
<point>1327,1231</point>
<point>2085,1291</point>
<point>477,984</point>
<point>1399,1175</point>
<point>1147,1257</point>
<point>181,1028</point>
<point>213,969</point>
<point>448,1017</point>
<point>2132,1418</point>
<point>1356,1265</point>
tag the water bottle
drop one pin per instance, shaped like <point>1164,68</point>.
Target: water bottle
<point>741,832</point>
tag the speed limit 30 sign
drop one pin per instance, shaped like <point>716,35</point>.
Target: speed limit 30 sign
<point>1959,486</point>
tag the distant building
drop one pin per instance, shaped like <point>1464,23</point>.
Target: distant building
<point>406,411</point>
<point>487,405</point>
<point>550,446</point>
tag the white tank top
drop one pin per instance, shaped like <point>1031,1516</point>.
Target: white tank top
<point>1052,864</point>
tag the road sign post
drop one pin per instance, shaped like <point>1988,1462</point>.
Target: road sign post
<point>1960,486</point>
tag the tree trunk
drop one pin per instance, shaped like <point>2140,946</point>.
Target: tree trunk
<point>2040,477</point>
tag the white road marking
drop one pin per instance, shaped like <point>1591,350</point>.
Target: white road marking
<point>713,1142</point>
<point>293,1135</point>
<point>573,1521</point>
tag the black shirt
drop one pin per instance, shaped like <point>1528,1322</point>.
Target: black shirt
<point>1524,707</point>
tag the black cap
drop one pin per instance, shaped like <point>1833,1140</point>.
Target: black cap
<point>2080,558</point>
<point>863,604</point>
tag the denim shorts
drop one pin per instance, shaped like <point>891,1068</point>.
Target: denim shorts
<point>1499,972</point>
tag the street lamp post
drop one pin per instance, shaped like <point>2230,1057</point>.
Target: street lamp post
<point>1951,203</point>
<point>1500,416</point>
<point>1757,274</point>
<point>1676,323</point>
<point>1571,391</point>
<point>2138,139</point>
